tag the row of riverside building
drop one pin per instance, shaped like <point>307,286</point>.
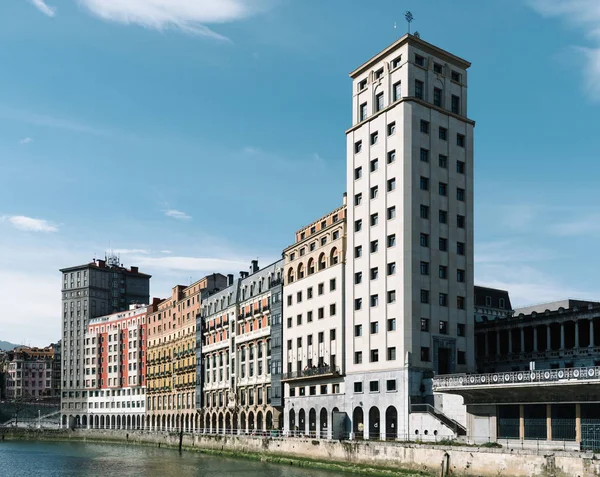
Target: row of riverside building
<point>370,326</point>
<point>368,303</point>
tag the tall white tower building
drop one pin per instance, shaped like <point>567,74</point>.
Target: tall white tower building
<point>409,283</point>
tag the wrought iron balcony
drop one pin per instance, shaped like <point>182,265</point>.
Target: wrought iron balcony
<point>452,381</point>
<point>312,373</point>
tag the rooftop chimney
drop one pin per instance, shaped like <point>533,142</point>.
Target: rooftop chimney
<point>243,275</point>
<point>134,269</point>
<point>345,199</point>
<point>229,279</point>
<point>254,267</point>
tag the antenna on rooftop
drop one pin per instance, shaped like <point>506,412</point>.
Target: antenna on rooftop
<point>409,18</point>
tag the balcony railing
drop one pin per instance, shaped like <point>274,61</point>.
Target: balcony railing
<point>516,377</point>
<point>311,373</point>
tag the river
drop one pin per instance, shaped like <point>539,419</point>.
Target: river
<point>58,459</point>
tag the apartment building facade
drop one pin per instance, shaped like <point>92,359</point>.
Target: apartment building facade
<point>115,370</point>
<point>95,289</point>
<point>239,367</point>
<point>171,366</point>
<point>409,271</point>
<point>29,373</point>
<point>313,325</point>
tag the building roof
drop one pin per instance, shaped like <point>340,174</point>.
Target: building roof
<point>481,293</point>
<point>555,306</point>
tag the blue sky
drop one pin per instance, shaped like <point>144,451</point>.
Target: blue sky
<point>194,136</point>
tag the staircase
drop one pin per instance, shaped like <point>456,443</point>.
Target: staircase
<point>457,427</point>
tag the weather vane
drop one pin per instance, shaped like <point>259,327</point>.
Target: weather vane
<point>409,18</point>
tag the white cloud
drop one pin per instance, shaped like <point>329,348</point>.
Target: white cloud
<point>588,225</point>
<point>177,214</point>
<point>130,251</point>
<point>197,264</point>
<point>43,7</point>
<point>584,14</point>
<point>29,224</point>
<point>166,251</point>
<point>189,16</point>
<point>26,140</point>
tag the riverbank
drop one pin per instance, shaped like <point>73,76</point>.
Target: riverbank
<point>359,457</point>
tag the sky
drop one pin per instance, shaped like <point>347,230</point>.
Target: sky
<point>192,136</point>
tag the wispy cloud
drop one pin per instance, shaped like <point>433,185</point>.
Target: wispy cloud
<point>177,214</point>
<point>36,119</point>
<point>29,224</point>
<point>588,225</point>
<point>189,16</point>
<point>44,7</point>
<point>130,251</point>
<point>586,15</point>
<point>167,252</point>
<point>196,264</point>
<point>26,140</point>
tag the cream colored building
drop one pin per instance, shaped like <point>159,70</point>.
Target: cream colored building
<point>409,285</point>
<point>313,325</point>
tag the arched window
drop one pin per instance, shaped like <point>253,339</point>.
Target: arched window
<point>311,266</point>
<point>322,262</point>
<point>300,271</point>
<point>290,277</point>
<point>333,260</point>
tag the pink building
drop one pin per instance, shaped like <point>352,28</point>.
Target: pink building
<point>30,372</point>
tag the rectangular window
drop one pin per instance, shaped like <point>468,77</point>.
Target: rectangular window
<point>437,97</point>
<point>391,268</point>
<point>321,288</point>
<point>332,309</point>
<point>390,385</point>
<point>374,273</point>
<point>332,284</point>
<point>424,296</point>
<point>424,155</point>
<point>379,73</point>
<point>357,201</point>
<point>379,102</point>
<point>460,329</point>
<point>374,327</point>
<point>374,219</point>
<point>396,62</point>
<point>443,217</point>
<point>357,360</point>
<point>460,221</point>
<point>391,157</point>
<point>299,320</point>
<point>374,386</point>
<point>437,68</point>
<point>357,303</point>
<point>374,165</point>
<point>391,213</point>
<point>424,240</point>
<point>391,324</point>
<point>374,355</point>
<point>460,248</point>
<point>358,386</point>
<point>455,105</point>
<point>373,192</point>
<point>374,246</point>
<point>460,194</point>
<point>424,183</point>
<point>443,189</point>
<point>332,335</point>
<point>374,301</point>
<point>391,353</point>
<point>309,316</point>
<point>391,128</point>
<point>460,302</point>
<point>443,134</point>
<point>424,324</point>
<point>358,251</point>
<point>374,138</point>
<point>357,278</point>
<point>391,240</point>
<point>455,76</point>
<point>460,167</point>
<point>309,293</point>
<point>419,60</point>
<point>299,297</point>
<point>362,115</point>
<point>321,313</point>
<point>443,161</point>
<point>424,268</point>
<point>443,299</point>
<point>419,89</point>
<point>424,212</point>
<point>357,330</point>
<point>460,140</point>
<point>443,327</point>
<point>443,272</point>
<point>397,92</point>
<point>425,354</point>
<point>460,276</point>
<point>362,85</point>
<point>357,225</point>
<point>391,184</point>
<point>461,357</point>
<point>443,244</point>
<point>357,173</point>
<point>391,296</point>
<point>357,147</point>
<point>424,127</point>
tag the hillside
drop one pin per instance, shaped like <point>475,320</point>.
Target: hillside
<point>6,346</point>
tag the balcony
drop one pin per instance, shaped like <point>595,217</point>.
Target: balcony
<point>312,373</point>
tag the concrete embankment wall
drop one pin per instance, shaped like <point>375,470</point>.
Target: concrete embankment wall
<point>460,461</point>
